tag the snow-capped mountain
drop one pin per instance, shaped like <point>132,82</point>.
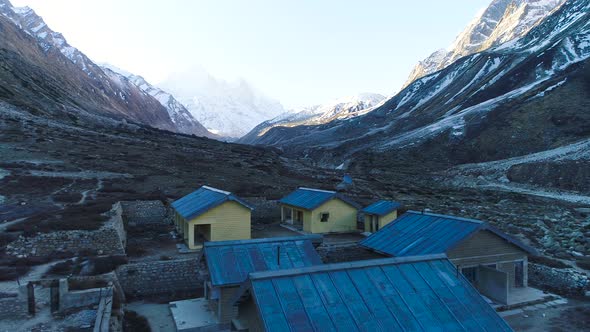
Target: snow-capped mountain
<point>108,92</point>
<point>229,109</point>
<point>183,120</point>
<point>339,109</point>
<point>526,95</point>
<point>33,24</point>
<point>501,21</point>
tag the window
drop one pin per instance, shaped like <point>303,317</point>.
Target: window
<point>324,216</point>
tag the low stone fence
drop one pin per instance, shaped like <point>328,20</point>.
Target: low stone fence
<point>171,279</point>
<point>562,281</point>
<point>102,279</point>
<point>137,213</point>
<point>110,239</point>
<point>69,299</point>
<point>14,306</point>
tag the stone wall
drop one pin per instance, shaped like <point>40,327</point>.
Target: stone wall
<point>110,239</point>
<point>562,281</point>
<point>265,211</point>
<point>170,279</point>
<point>81,298</point>
<point>143,212</point>
<point>14,306</point>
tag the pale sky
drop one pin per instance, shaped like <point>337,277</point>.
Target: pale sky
<point>299,52</point>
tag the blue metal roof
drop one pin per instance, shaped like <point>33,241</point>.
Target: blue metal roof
<point>382,207</point>
<point>423,293</point>
<point>229,262</point>
<point>416,233</point>
<point>309,199</point>
<point>203,200</point>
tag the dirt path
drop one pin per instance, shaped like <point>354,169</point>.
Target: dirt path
<point>486,184</point>
<point>34,274</point>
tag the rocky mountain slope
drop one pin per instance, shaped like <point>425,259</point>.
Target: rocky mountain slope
<point>66,81</point>
<point>525,96</point>
<point>343,108</point>
<point>501,21</point>
<point>183,120</point>
<point>229,109</point>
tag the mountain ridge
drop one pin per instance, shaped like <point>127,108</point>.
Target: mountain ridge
<point>341,108</point>
<point>500,22</point>
<point>521,97</point>
<point>106,94</point>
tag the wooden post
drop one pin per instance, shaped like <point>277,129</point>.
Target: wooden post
<point>54,295</point>
<point>292,216</point>
<point>279,255</point>
<point>31,297</point>
<point>282,213</point>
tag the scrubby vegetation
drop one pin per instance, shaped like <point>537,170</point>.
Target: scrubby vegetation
<point>134,322</point>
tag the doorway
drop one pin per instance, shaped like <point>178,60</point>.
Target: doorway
<point>299,217</point>
<point>519,274</point>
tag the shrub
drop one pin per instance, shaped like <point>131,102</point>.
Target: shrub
<point>107,264</point>
<point>135,251</point>
<point>584,263</point>
<point>6,238</point>
<point>82,284</point>
<point>61,268</point>
<point>8,273</point>
<point>135,322</point>
<point>548,261</point>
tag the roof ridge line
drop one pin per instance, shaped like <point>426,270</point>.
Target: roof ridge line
<point>217,190</point>
<point>475,221</point>
<point>345,265</point>
<point>320,190</point>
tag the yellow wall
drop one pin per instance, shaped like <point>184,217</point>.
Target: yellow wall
<point>386,219</point>
<point>342,218</point>
<point>229,221</point>
<point>383,221</point>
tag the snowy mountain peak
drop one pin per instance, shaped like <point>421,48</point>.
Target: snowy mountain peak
<point>500,22</point>
<point>229,109</point>
<point>26,10</point>
<point>180,116</point>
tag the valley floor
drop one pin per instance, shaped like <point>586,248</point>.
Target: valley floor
<point>77,172</point>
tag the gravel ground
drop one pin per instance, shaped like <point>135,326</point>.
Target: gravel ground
<point>573,317</point>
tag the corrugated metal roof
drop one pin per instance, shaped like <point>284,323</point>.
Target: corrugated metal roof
<point>229,262</point>
<point>309,199</point>
<point>382,207</point>
<point>203,200</point>
<point>422,293</point>
<point>416,233</point>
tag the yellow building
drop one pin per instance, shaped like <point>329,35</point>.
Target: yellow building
<point>379,214</point>
<point>210,214</point>
<point>319,211</point>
